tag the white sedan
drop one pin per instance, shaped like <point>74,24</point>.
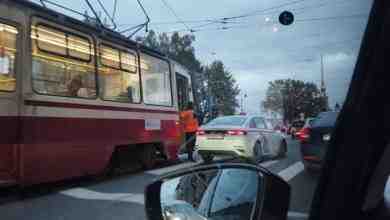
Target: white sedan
<point>243,136</point>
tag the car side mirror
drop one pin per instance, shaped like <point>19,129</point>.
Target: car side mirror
<point>218,191</point>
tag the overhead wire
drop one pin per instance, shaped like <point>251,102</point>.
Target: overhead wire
<point>332,17</point>
<point>175,14</point>
<point>107,14</point>
<point>140,26</point>
<point>226,20</point>
<point>264,10</point>
<point>245,25</point>
<point>221,19</point>
<point>114,9</point>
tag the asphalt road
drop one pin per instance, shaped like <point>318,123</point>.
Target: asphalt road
<point>121,197</point>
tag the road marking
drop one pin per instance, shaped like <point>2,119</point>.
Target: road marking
<point>170,168</point>
<point>297,215</point>
<point>291,171</point>
<point>82,193</point>
<point>165,170</point>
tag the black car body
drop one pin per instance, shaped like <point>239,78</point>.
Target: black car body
<point>314,139</point>
<point>295,127</point>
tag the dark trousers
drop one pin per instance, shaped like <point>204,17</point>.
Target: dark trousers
<point>190,143</point>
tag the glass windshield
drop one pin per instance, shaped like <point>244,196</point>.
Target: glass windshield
<point>325,119</point>
<point>232,121</point>
<point>95,90</point>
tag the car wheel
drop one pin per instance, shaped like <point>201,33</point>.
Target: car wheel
<point>282,149</point>
<point>258,152</point>
<point>207,158</point>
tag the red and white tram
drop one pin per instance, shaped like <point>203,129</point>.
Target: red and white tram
<point>76,99</point>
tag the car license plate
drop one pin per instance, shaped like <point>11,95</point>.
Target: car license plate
<point>214,136</point>
<point>326,137</point>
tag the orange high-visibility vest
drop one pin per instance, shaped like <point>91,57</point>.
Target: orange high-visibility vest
<point>190,123</point>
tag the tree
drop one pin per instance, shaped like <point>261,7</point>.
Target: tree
<point>293,97</point>
<point>222,87</point>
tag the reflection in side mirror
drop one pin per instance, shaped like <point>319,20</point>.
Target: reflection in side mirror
<point>226,191</point>
<point>215,194</point>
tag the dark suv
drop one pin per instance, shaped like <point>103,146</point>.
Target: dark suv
<point>314,139</point>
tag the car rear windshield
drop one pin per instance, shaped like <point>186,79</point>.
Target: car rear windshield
<point>231,120</point>
<point>298,123</point>
<point>325,119</point>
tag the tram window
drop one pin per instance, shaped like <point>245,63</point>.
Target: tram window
<point>118,85</point>
<point>128,62</point>
<point>51,40</point>
<point>7,57</point>
<point>70,75</point>
<point>61,43</point>
<point>156,81</point>
<point>110,57</point>
<point>79,48</point>
<point>118,76</point>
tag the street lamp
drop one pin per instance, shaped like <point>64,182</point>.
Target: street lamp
<point>242,102</point>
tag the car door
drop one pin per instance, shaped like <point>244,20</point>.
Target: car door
<point>254,134</point>
<point>274,136</point>
<point>267,140</point>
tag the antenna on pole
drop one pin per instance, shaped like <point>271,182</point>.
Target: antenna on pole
<point>323,88</point>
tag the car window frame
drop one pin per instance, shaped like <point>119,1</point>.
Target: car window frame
<point>263,122</point>
<point>334,189</point>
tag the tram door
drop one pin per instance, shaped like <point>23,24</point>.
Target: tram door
<point>183,91</point>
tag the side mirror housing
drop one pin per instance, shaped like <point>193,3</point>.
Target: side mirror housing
<point>218,191</point>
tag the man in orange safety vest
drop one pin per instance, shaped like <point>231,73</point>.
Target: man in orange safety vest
<point>190,124</point>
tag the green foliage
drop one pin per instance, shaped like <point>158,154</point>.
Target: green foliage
<point>292,97</point>
<point>223,88</point>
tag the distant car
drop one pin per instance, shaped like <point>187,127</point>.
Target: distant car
<point>295,127</point>
<point>314,139</point>
<point>278,125</point>
<point>308,123</point>
<point>243,136</point>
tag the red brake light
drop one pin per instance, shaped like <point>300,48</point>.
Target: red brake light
<point>200,132</point>
<point>303,134</point>
<point>236,132</point>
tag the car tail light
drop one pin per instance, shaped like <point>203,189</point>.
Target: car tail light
<point>200,132</point>
<point>236,132</point>
<point>303,135</point>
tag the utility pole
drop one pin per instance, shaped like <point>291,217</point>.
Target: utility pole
<point>243,97</point>
<point>323,94</point>
<point>242,104</point>
<point>323,87</point>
